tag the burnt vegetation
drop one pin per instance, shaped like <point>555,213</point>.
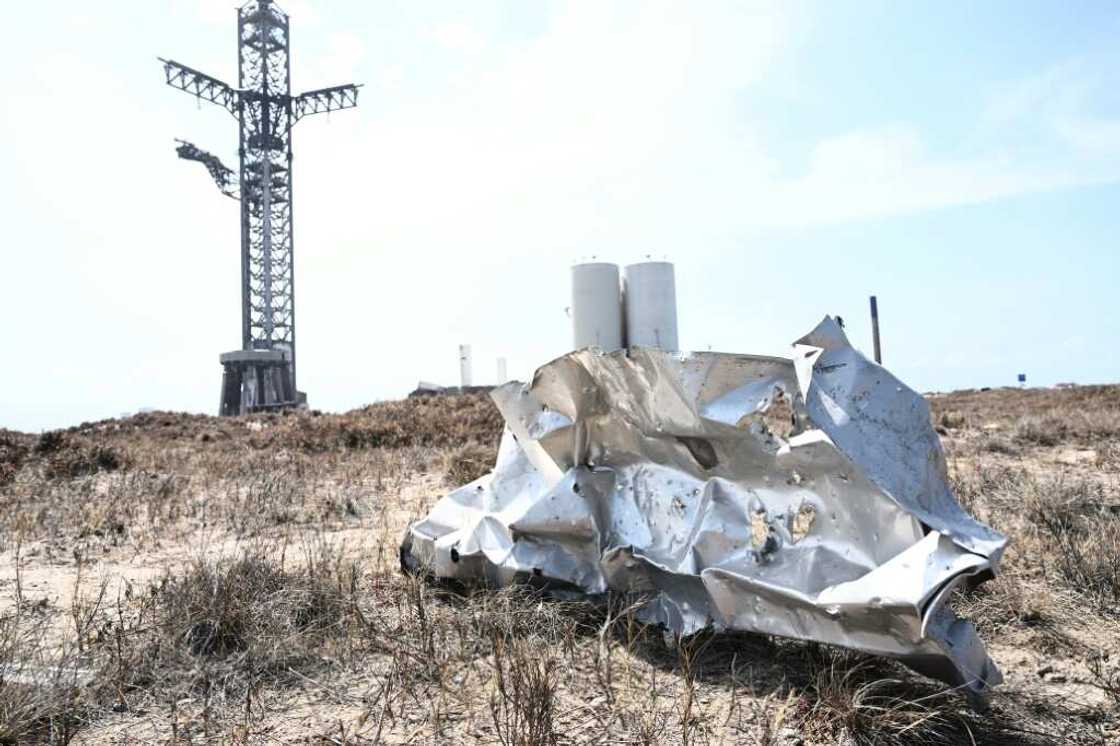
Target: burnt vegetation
<point>188,579</point>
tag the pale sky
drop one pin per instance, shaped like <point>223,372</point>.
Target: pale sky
<point>960,160</point>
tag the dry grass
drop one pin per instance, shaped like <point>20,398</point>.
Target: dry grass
<point>159,474</point>
<point>467,463</point>
<point>522,705</point>
<point>221,628</point>
<point>39,683</point>
<point>14,448</point>
<point>1045,417</point>
<point>184,579</point>
<point>854,699</point>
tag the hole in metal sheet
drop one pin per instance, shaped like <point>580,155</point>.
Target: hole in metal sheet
<point>760,528</point>
<point>778,417</point>
<point>773,420</point>
<point>803,522</point>
<point>701,450</point>
<point>769,547</point>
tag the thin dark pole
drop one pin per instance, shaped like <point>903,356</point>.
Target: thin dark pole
<point>875,330</point>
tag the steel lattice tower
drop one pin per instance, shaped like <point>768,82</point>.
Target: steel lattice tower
<point>262,375</point>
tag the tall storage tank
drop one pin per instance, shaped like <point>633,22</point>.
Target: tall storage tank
<point>651,306</point>
<point>596,306</point>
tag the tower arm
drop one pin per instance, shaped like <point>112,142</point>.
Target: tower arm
<point>223,176</point>
<point>200,85</point>
<point>325,100</point>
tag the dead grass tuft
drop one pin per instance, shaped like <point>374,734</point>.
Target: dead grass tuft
<point>1084,537</point>
<point>225,626</point>
<point>40,697</point>
<point>1000,446</point>
<point>14,448</point>
<point>1003,602</point>
<point>1046,431</point>
<point>953,420</point>
<point>1065,548</point>
<point>467,463</point>
<point>1105,675</point>
<point>851,699</point>
<point>523,701</point>
<point>81,461</point>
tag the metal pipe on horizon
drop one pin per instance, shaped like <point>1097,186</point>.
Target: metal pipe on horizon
<point>875,330</point>
<point>464,366</point>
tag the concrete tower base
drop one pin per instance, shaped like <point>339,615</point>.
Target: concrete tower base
<point>257,381</point>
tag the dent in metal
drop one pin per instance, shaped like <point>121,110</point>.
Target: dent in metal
<point>654,473</point>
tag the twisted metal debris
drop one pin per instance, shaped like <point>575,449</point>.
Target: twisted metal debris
<point>654,473</point>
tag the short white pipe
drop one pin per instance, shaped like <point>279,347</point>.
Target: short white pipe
<point>465,365</point>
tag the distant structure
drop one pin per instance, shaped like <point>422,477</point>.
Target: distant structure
<point>465,366</point>
<point>262,374</point>
<point>637,308</point>
<point>466,378</point>
<point>875,329</point>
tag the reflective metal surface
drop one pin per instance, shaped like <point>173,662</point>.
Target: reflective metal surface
<point>655,473</point>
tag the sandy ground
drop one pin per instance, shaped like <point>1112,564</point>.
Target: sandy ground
<point>53,574</point>
<point>1049,689</point>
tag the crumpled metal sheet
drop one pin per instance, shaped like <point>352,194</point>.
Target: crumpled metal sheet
<point>653,473</point>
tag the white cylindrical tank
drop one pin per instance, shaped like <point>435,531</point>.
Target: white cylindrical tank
<point>596,306</point>
<point>650,294</point>
<point>502,377</point>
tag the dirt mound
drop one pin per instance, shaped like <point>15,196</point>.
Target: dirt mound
<point>438,421</point>
<point>433,421</point>
<point>1034,417</point>
<point>14,448</point>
